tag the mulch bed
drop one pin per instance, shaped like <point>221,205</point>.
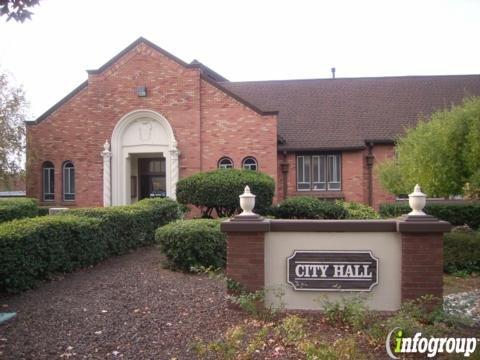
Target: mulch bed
<point>126,307</point>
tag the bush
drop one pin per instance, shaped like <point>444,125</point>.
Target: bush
<point>193,243</point>
<point>456,214</point>
<point>131,226</point>
<point>17,208</point>
<point>358,210</point>
<point>307,207</point>
<point>461,252</point>
<point>33,249</point>
<point>219,190</point>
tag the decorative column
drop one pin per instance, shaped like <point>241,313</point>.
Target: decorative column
<point>107,156</point>
<point>174,173</point>
<point>422,250</point>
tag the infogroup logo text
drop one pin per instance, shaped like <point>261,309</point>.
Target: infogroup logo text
<point>431,346</point>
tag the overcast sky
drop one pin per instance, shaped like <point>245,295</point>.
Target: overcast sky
<point>243,40</point>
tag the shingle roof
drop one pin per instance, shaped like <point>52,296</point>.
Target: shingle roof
<point>345,113</point>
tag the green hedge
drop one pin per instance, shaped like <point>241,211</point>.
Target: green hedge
<point>456,214</point>
<point>17,208</point>
<point>358,210</point>
<point>193,243</point>
<point>32,249</point>
<point>307,207</point>
<point>219,190</point>
<point>461,252</point>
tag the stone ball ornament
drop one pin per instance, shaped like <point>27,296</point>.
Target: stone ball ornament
<point>247,202</point>
<point>417,201</point>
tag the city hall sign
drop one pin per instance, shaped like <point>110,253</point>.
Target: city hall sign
<point>332,270</point>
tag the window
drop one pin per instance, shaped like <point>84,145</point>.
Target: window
<point>318,172</point>
<point>68,181</point>
<point>225,163</point>
<point>48,181</point>
<point>250,163</point>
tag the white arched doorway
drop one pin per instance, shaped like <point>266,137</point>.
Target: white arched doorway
<point>142,137</point>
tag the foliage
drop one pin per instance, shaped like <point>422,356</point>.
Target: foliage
<point>219,190</point>
<point>350,311</point>
<point>33,249</point>
<point>191,244</point>
<point>12,115</point>
<point>17,208</point>
<point>456,214</point>
<point>461,252</point>
<point>307,207</point>
<point>344,348</point>
<point>441,153</point>
<point>359,211</point>
<point>291,330</point>
<point>17,9</point>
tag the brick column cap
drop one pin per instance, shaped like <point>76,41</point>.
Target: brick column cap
<point>422,224</point>
<point>249,223</point>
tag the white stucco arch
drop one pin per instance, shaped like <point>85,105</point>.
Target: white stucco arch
<point>141,132</point>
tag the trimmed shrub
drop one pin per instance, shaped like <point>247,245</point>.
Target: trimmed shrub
<point>358,210</point>
<point>32,249</point>
<point>17,208</point>
<point>219,190</point>
<point>461,252</point>
<point>456,214</point>
<point>193,243</point>
<point>307,207</point>
<point>131,226</point>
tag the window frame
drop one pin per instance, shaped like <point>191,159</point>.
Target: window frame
<point>50,168</point>
<point>65,168</point>
<point>250,158</point>
<point>315,162</point>
<point>223,158</point>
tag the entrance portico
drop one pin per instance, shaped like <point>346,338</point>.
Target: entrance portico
<point>144,158</point>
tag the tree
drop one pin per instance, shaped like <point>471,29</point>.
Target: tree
<point>441,153</point>
<point>12,129</point>
<point>17,9</point>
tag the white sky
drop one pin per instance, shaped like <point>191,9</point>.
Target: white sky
<point>243,40</point>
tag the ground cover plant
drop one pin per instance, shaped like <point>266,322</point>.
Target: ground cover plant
<point>33,249</point>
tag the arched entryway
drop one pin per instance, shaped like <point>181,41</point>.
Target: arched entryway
<point>144,157</point>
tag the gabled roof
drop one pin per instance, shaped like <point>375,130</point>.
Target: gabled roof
<point>328,114</point>
<point>206,74</point>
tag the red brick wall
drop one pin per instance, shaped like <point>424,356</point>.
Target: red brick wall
<point>354,176</point>
<point>245,259</point>
<point>206,122</point>
<point>422,265</point>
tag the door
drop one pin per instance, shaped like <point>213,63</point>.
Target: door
<point>152,178</point>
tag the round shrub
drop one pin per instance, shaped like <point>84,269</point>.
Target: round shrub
<point>193,243</point>
<point>219,190</point>
<point>359,211</point>
<point>307,207</point>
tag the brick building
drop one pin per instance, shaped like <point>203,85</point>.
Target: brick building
<point>146,118</point>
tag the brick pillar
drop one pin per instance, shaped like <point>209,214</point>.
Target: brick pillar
<point>246,251</point>
<point>422,256</point>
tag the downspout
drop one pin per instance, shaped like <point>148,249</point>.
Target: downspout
<point>284,168</point>
<point>370,161</point>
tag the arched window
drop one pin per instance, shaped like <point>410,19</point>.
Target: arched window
<point>250,163</point>
<point>48,181</point>
<point>225,163</point>
<point>68,181</point>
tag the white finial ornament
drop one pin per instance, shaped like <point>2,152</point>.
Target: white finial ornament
<point>106,146</point>
<point>247,202</point>
<point>417,201</point>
